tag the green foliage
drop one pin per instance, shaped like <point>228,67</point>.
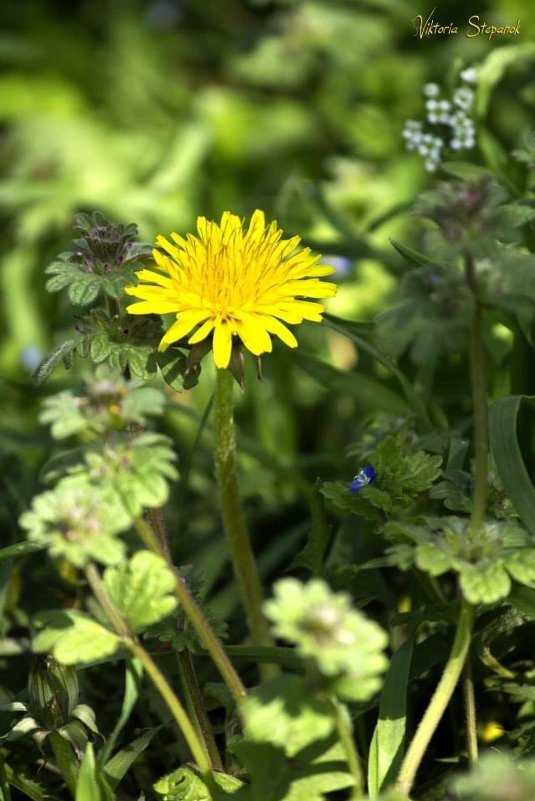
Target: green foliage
<point>79,519</point>
<point>140,589</point>
<point>91,784</point>
<point>185,784</point>
<point>498,777</point>
<point>307,777</point>
<point>486,558</point>
<point>387,744</point>
<point>136,469</point>
<point>296,108</point>
<point>285,714</point>
<point>346,648</point>
<point>401,476</point>
<point>110,402</point>
<point>104,261</point>
<point>74,638</point>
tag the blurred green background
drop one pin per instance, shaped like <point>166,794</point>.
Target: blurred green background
<point>156,112</point>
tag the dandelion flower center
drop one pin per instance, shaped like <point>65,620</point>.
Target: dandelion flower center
<point>227,281</point>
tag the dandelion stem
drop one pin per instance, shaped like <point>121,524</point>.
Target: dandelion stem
<point>196,617</point>
<point>234,524</point>
<point>439,701</point>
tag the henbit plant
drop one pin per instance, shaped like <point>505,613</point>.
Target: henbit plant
<point>441,503</point>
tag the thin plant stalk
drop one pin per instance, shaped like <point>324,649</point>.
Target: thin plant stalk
<point>470,712</point>
<point>440,699</point>
<point>243,560</point>
<point>197,708</point>
<point>195,744</point>
<point>195,616</point>
<point>345,733</point>
<point>190,686</point>
<point>478,380</point>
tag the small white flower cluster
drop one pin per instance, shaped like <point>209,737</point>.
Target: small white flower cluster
<point>453,115</point>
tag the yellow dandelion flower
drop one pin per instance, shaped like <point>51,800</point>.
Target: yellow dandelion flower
<point>229,282</point>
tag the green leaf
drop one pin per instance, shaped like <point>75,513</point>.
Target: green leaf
<point>116,768</point>
<point>136,469</point>
<point>387,745</point>
<point>79,519</point>
<point>133,674</point>
<point>351,330</point>
<point>64,413</point>
<point>284,713</point>
<point>485,583</point>
<point>91,784</point>
<point>185,784</point>
<point>27,787</point>
<point>49,363</point>
<point>367,503</point>
<point>514,215</point>
<point>433,560</point>
<point>492,69</point>
<point>370,392</point>
<point>172,364</point>
<point>503,436</point>
<point>100,347</point>
<point>312,555</point>
<point>83,292</point>
<point>464,170</point>
<point>413,256</point>
<point>141,589</point>
<point>309,776</point>
<point>21,549</point>
<point>74,638</point>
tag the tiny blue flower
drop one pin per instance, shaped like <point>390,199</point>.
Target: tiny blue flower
<point>363,478</point>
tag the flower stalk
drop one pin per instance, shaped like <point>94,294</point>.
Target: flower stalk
<point>478,380</point>
<point>439,701</point>
<point>345,733</point>
<point>194,742</point>
<point>196,617</point>
<point>234,524</point>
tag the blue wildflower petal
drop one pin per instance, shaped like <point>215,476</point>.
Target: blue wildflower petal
<point>364,477</point>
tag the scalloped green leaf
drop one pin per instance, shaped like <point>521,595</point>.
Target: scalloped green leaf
<point>84,291</point>
<point>485,583</point>
<point>142,589</point>
<point>74,638</point>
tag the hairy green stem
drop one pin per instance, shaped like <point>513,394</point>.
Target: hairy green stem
<point>66,761</point>
<point>196,617</point>
<point>440,699</point>
<point>478,380</point>
<point>196,707</point>
<point>345,733</point>
<point>234,524</point>
<point>470,712</point>
<point>178,712</point>
<point>108,607</point>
